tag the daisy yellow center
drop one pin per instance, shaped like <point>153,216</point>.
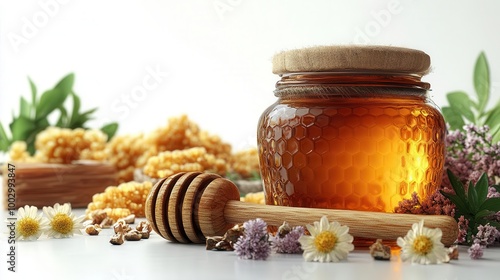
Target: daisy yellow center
<point>325,241</point>
<point>28,226</point>
<point>422,245</point>
<point>62,223</point>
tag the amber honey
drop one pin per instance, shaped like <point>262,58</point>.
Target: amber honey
<point>358,140</point>
<point>366,154</point>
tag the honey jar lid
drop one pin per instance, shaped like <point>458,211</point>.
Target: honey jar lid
<point>352,58</point>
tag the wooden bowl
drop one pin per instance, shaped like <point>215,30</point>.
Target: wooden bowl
<point>44,184</point>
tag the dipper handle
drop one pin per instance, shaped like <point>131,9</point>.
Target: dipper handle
<point>374,225</point>
<point>187,207</point>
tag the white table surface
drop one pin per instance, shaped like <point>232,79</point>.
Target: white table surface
<point>93,257</point>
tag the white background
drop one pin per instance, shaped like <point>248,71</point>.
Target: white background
<point>214,56</point>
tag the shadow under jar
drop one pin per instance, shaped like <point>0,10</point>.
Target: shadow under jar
<point>353,128</point>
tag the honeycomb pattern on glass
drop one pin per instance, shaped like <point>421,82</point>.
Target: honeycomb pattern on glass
<point>350,156</point>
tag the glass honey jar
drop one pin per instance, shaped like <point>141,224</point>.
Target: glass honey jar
<point>353,128</point>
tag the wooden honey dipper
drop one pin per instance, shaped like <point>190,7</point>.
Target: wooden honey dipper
<point>187,207</point>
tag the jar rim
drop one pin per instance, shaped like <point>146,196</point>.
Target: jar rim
<point>371,79</point>
<point>351,58</point>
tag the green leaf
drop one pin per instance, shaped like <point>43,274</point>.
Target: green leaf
<point>81,119</point>
<point>21,128</point>
<point>482,188</point>
<point>460,103</point>
<point>63,118</point>
<point>76,109</point>
<point>462,206</point>
<point>40,125</point>
<point>472,197</point>
<point>491,204</point>
<point>89,112</point>
<point>493,116</point>
<point>66,83</point>
<point>482,81</point>
<point>33,92</point>
<point>49,101</point>
<point>493,119</point>
<point>476,221</point>
<point>110,129</point>
<point>495,135</point>
<point>481,214</point>
<point>453,118</point>
<point>87,115</point>
<point>54,98</point>
<point>4,140</point>
<point>25,108</point>
<point>458,187</point>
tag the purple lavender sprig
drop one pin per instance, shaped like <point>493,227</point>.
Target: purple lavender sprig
<point>493,192</point>
<point>471,153</point>
<point>463,230</point>
<point>486,235</point>
<point>475,251</point>
<point>254,243</point>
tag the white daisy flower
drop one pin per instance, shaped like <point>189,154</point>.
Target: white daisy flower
<point>62,221</point>
<point>328,242</point>
<point>423,245</point>
<point>29,224</point>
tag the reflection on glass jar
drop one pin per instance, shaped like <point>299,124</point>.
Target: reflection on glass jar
<point>362,135</point>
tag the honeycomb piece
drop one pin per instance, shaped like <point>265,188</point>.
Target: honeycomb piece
<point>181,133</point>
<point>122,200</point>
<point>189,160</point>
<point>19,152</point>
<point>124,151</point>
<point>63,145</point>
